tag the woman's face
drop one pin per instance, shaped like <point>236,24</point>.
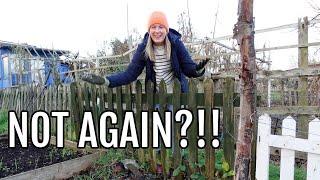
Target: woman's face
<point>158,34</point>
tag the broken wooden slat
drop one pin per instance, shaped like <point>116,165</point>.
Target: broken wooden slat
<point>162,105</point>
<point>138,103</point>
<point>150,106</point>
<point>192,134</point>
<point>94,108</point>
<point>110,99</point>
<point>75,111</point>
<point>228,122</point>
<point>210,152</point>
<point>119,107</point>
<point>176,126</point>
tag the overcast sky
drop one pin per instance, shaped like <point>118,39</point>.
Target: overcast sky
<point>81,25</point>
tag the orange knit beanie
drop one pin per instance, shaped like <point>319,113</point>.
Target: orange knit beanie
<point>158,17</point>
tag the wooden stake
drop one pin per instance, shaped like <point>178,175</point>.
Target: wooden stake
<point>303,81</point>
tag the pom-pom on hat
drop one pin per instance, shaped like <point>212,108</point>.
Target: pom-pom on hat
<point>158,17</point>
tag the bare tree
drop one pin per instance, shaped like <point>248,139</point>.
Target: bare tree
<point>117,47</point>
<point>185,27</point>
<point>244,34</point>
<point>316,8</point>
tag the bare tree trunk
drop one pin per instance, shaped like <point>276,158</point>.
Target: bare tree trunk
<point>244,34</point>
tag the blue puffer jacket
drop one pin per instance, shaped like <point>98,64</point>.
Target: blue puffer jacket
<point>182,64</point>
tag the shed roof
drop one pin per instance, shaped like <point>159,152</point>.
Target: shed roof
<point>33,50</point>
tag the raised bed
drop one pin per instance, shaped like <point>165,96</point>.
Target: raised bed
<point>54,164</point>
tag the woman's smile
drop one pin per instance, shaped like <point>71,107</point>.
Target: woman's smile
<point>158,34</point>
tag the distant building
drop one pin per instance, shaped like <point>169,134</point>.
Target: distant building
<point>25,64</point>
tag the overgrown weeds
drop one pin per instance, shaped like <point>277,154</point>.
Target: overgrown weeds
<point>3,121</point>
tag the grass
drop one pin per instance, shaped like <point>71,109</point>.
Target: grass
<point>3,121</point>
<point>274,173</point>
<point>103,169</point>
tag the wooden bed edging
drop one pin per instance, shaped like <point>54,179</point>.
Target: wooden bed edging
<point>62,170</point>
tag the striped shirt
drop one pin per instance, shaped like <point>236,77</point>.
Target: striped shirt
<point>162,68</point>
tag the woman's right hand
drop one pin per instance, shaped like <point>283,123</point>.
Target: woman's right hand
<point>95,79</point>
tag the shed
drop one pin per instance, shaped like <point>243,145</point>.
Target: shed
<point>25,64</point>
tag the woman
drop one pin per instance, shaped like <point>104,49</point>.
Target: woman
<point>162,53</point>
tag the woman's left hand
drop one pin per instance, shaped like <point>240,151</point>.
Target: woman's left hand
<point>200,67</point>
<point>202,64</point>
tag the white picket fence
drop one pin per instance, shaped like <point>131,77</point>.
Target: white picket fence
<point>288,144</point>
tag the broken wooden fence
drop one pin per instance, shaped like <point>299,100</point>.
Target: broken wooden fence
<point>80,97</point>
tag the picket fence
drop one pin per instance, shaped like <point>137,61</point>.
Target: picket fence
<point>288,143</point>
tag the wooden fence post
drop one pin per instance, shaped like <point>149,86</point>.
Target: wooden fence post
<point>12,100</point>
<point>101,99</point>
<point>110,99</point>
<point>128,100</point>
<point>79,110</point>
<point>210,152</point>
<point>119,107</point>
<point>75,122</point>
<point>282,92</point>
<point>162,103</point>
<point>192,135</point>
<point>128,103</point>
<point>94,108</point>
<point>150,96</point>
<point>55,106</point>
<point>69,108</point>
<point>46,99</point>
<point>177,126</point>
<point>66,90</point>
<point>303,81</point>
<point>138,102</point>
<point>228,121</point>
<point>17,100</point>
<point>76,75</point>
<point>85,94</point>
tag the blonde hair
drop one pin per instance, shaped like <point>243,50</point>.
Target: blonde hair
<point>149,52</point>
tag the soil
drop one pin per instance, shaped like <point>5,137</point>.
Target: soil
<point>18,159</point>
